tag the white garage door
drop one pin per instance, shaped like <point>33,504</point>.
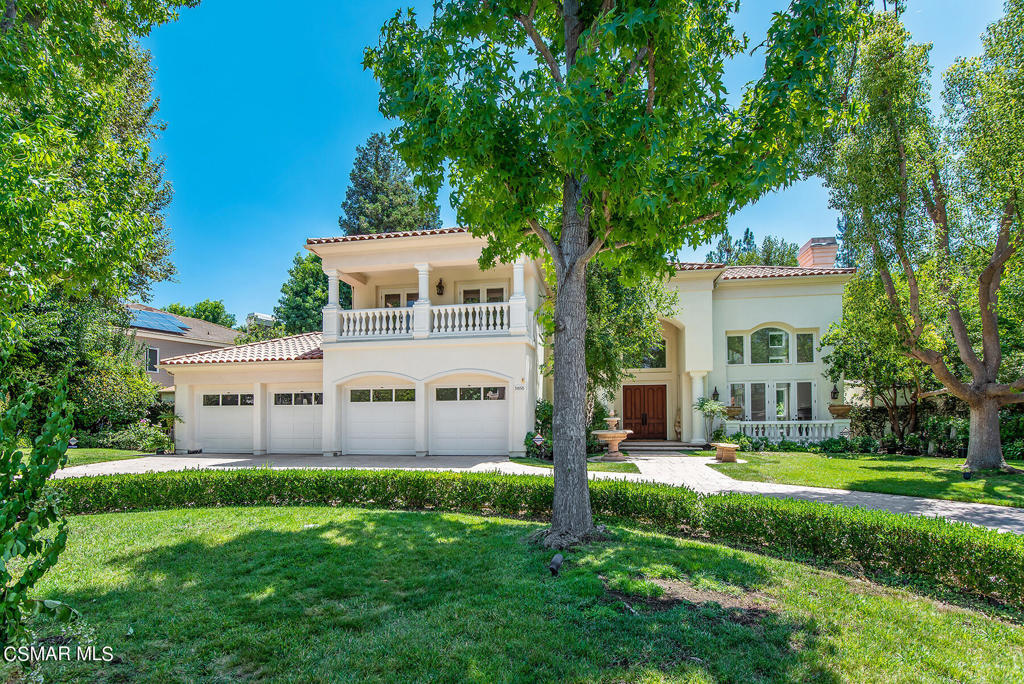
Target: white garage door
<point>469,421</point>
<point>225,422</point>
<point>380,421</point>
<point>296,420</point>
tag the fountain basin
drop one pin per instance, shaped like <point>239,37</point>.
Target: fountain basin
<point>611,439</point>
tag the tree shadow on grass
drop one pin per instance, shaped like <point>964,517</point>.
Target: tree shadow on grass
<point>404,596</point>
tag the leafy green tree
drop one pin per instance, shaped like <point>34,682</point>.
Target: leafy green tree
<point>212,310</point>
<point>76,202</point>
<point>257,332</point>
<point>601,130</point>
<point>863,347</point>
<point>381,197</point>
<point>304,295</point>
<point>774,251</point>
<point>935,205</point>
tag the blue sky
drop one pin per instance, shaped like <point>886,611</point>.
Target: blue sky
<point>264,108</point>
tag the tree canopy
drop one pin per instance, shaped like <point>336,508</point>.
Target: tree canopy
<point>773,251</point>
<point>212,310</point>
<point>601,130</point>
<point>381,197</point>
<point>304,295</point>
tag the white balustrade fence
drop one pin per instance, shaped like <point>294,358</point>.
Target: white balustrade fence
<point>390,322</point>
<point>793,430</point>
<point>454,319</point>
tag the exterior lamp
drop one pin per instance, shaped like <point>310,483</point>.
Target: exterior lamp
<point>440,287</point>
<point>835,392</point>
<point>714,395</point>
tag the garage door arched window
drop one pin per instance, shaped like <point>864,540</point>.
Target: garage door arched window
<point>769,345</point>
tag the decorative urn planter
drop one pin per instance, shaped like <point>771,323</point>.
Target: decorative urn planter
<point>734,412</point>
<point>840,410</point>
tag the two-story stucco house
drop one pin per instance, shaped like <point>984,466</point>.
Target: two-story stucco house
<point>439,357</point>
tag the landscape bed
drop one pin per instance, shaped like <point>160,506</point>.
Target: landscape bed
<point>955,556</point>
<point>355,594</point>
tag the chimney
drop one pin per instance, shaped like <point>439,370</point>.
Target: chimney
<point>819,252</point>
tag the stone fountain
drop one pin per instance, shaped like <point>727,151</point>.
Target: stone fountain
<point>611,438</point>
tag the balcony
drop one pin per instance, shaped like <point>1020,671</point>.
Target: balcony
<point>792,430</point>
<point>424,320</point>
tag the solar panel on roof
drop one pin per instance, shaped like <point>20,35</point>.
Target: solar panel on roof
<point>157,320</point>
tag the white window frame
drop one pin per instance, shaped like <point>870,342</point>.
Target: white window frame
<point>155,363</point>
<point>770,401</point>
<point>403,292</point>
<point>483,287</point>
<point>745,341</point>
<point>796,348</point>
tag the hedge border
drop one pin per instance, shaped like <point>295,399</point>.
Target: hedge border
<point>960,556</point>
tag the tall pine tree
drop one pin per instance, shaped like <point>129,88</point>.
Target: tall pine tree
<point>381,197</point>
<point>745,252</point>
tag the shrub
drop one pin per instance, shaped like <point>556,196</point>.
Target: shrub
<point>1014,451</point>
<point>957,555</point>
<point>835,445</point>
<point>140,436</point>
<point>114,394</point>
<point>865,444</point>
<point>913,444</point>
<point>742,440</point>
<point>534,451</point>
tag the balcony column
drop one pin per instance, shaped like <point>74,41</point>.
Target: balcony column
<point>697,392</point>
<point>421,309</point>
<point>517,302</point>
<point>332,311</point>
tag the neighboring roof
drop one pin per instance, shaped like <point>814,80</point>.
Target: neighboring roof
<point>696,266</point>
<point>751,272</point>
<point>384,236</point>
<point>294,348</point>
<point>194,328</point>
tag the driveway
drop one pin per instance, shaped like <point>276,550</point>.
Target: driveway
<point>689,471</point>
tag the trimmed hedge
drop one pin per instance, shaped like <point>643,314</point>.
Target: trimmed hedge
<point>960,556</point>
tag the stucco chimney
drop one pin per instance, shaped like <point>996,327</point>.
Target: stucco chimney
<point>818,252</point>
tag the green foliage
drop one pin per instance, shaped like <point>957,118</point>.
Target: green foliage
<point>212,310</point>
<point>711,410</point>
<point>141,436</point>
<point>381,197</point>
<point>544,416</point>
<point>304,295</point>
<point>29,509</point>
<point>959,556</point>
<point>256,332</point>
<point>774,251</point>
<point>113,393</point>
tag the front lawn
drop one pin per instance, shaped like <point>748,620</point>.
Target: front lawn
<point>77,457</point>
<point>937,478</point>
<point>606,466</point>
<point>334,594</point>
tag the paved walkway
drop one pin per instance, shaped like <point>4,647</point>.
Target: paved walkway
<point>690,471</point>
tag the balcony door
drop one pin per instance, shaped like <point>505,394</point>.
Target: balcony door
<point>397,298</point>
<point>644,411</point>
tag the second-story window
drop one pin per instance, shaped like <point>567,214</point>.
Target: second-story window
<point>769,345</point>
<point>657,357</point>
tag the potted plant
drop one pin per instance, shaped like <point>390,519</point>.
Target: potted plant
<point>913,445</point>
<point>711,409</point>
<point>840,410</point>
<point>734,412</point>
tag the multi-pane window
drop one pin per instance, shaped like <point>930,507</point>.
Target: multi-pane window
<point>378,395</point>
<point>734,343</point>
<point>738,395</point>
<point>769,345</point>
<point>804,347</point>
<point>298,398</point>
<point>228,400</point>
<point>783,400</point>
<point>470,393</point>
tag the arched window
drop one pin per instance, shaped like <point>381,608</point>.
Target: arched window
<point>769,345</point>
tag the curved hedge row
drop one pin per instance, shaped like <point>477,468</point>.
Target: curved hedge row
<point>960,556</point>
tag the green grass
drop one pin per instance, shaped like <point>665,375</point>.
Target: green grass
<point>605,466</point>
<point>332,594</point>
<point>77,457</point>
<point>937,478</point>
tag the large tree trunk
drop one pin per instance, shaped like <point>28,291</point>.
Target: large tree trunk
<point>984,448</point>
<point>571,520</point>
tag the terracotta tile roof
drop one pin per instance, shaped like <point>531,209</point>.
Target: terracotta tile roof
<point>384,236</point>
<point>750,272</point>
<point>198,329</point>
<point>696,266</point>
<point>293,348</point>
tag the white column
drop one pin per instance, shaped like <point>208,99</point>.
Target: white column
<point>259,419</point>
<point>517,302</point>
<point>697,392</point>
<point>329,422</point>
<point>184,432</point>
<point>421,419</point>
<point>421,309</point>
<point>332,311</point>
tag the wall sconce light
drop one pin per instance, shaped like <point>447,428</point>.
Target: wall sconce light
<point>714,395</point>
<point>440,287</point>
<point>835,392</point>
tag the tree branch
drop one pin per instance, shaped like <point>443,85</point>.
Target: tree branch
<point>538,42</point>
<point>650,80</point>
<point>988,293</point>
<point>10,15</point>
<point>634,65</point>
<point>549,243</point>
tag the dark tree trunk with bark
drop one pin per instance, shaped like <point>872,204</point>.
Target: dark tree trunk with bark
<point>984,448</point>
<point>571,520</point>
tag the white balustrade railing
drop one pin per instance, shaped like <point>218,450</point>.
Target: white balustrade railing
<point>453,319</point>
<point>793,430</point>
<point>390,322</point>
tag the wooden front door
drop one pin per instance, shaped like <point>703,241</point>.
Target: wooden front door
<point>643,411</point>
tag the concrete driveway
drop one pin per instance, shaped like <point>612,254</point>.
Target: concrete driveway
<point>689,471</point>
